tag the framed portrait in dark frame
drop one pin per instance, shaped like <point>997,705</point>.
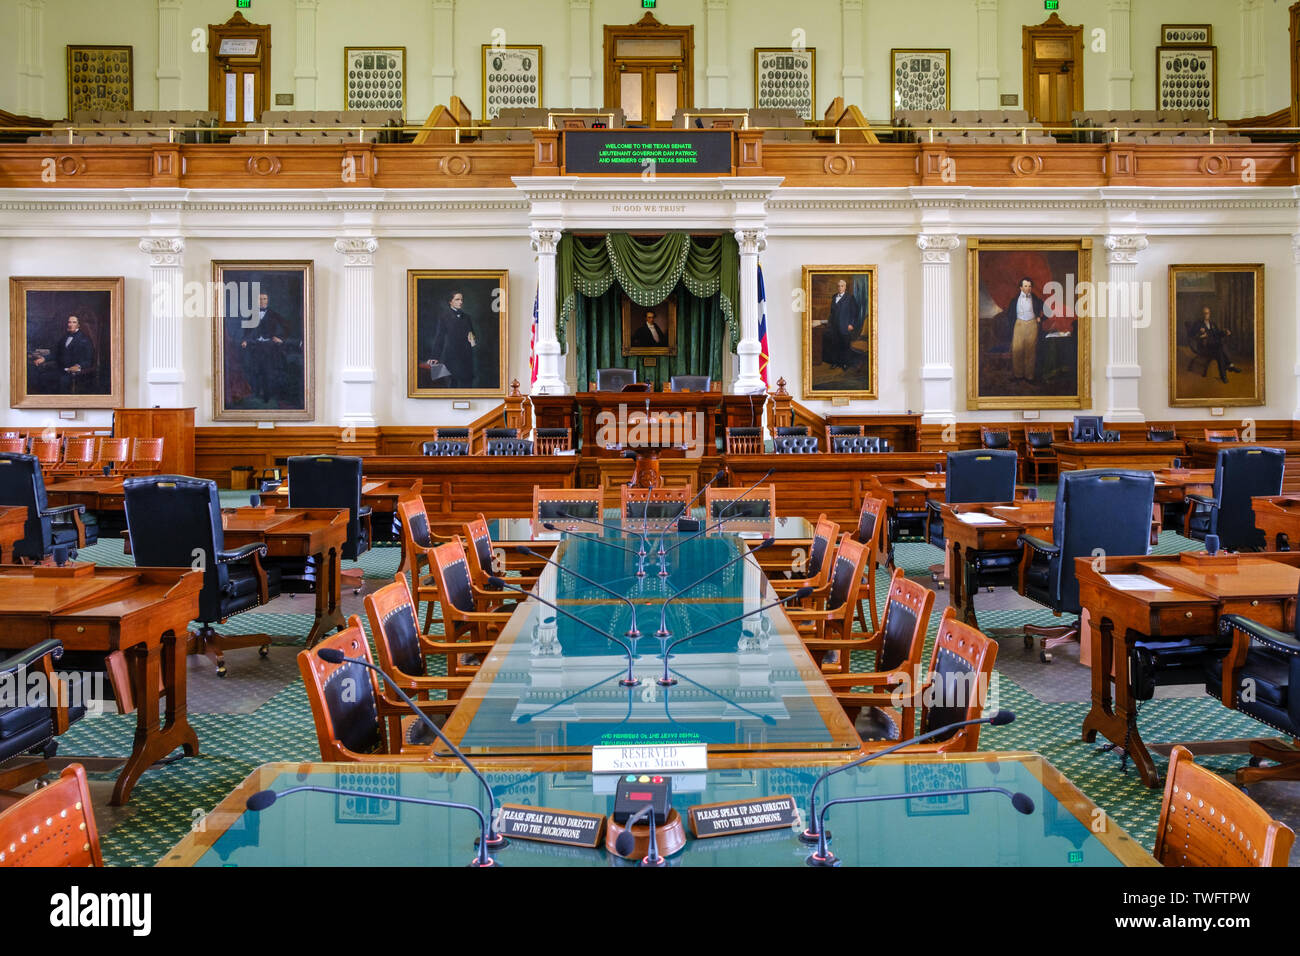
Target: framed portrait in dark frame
<point>456,325</point>
<point>66,342</point>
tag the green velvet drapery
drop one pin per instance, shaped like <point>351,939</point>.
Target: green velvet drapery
<point>648,270</point>
<point>598,339</point>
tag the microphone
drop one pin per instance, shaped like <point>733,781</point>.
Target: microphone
<point>666,680</point>
<point>634,632</point>
<point>645,542</point>
<point>264,798</point>
<point>685,510</point>
<point>549,526</point>
<point>813,835</point>
<point>663,611</point>
<point>731,504</point>
<point>822,856</point>
<point>624,843</point>
<point>629,680</point>
<point>332,655</point>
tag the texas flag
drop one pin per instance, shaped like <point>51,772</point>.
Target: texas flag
<point>532,346</point>
<point>762,327</point>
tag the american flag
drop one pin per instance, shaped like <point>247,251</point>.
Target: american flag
<point>762,327</point>
<point>532,346</point>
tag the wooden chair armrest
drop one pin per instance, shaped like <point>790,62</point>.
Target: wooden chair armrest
<point>853,699</point>
<point>486,617</point>
<point>808,614</point>
<point>867,678</point>
<point>429,646</point>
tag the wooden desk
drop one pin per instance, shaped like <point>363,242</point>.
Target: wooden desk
<point>381,496</point>
<point>299,533</point>
<point>581,411</point>
<point>1136,455</point>
<point>97,493</point>
<point>144,612</point>
<point>1278,516</point>
<point>1173,487</point>
<point>1204,454</point>
<point>1262,587</point>
<point>13,526</point>
<point>964,541</point>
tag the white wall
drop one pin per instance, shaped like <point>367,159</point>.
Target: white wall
<point>752,23</point>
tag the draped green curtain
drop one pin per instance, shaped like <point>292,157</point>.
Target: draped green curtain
<point>649,270</point>
<point>598,339</point>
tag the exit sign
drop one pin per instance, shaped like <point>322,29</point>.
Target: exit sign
<point>244,4</point>
<point>1047,4</point>
<point>647,4</point>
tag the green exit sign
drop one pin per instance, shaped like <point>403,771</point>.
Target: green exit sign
<point>1047,4</point>
<point>647,4</point>
<point>244,4</point>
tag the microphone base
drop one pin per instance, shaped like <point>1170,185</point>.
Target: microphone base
<point>475,864</point>
<point>809,837</point>
<point>657,861</point>
<point>629,683</point>
<point>670,835</point>
<point>493,844</point>
<point>829,860</point>
<point>670,682</point>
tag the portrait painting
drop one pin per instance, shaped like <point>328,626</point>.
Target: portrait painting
<point>456,333</point>
<point>65,342</point>
<point>1216,335</point>
<point>650,329</point>
<point>839,332</point>
<point>1027,345</point>
<point>264,331</point>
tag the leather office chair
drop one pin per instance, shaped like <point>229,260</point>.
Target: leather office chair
<point>481,565</point>
<point>1239,475</point>
<point>897,647</point>
<point>1161,433</point>
<point>169,519</point>
<point>463,614</point>
<point>1221,434</point>
<point>333,481</point>
<point>552,504</point>
<point>54,826</point>
<point>418,542</point>
<point>443,448</point>
<point>451,433</point>
<point>857,444</point>
<point>817,567</point>
<point>29,721</point>
<point>995,438</point>
<point>786,431</point>
<point>954,690</point>
<point>828,625</point>
<point>352,717</point>
<point>614,379</point>
<point>490,433</point>
<point>1039,453</point>
<point>690,383</point>
<point>870,533</point>
<point>23,485</point>
<point>795,445</point>
<point>509,446</point>
<point>1097,508</point>
<point>834,430</point>
<point>759,504</point>
<point>1205,821</point>
<point>652,504</point>
<point>1086,428</point>
<point>745,440</point>
<point>977,476</point>
<point>1255,677</point>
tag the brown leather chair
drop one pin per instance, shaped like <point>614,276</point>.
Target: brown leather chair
<point>54,826</point>
<point>828,625</point>
<point>466,610</point>
<point>418,542</point>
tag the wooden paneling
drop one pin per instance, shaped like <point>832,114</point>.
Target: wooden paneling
<point>75,167</point>
<point>1270,164</point>
<point>1063,164</point>
<point>219,449</point>
<point>609,473</point>
<point>473,166</point>
<point>456,489</point>
<point>967,434</point>
<point>175,426</point>
<point>1140,455</point>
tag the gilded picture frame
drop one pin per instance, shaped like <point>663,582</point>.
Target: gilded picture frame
<point>1051,368</point>
<point>840,334</point>
<point>56,363</point>
<point>100,78</point>
<point>457,349</point>
<point>264,340</point>
<point>1228,352</point>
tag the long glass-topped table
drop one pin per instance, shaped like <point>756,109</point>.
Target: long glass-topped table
<point>318,829</point>
<point>792,529</point>
<point>551,685</point>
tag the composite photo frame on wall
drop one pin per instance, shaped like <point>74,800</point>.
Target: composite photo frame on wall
<point>512,78</point>
<point>920,80</point>
<point>1186,34</point>
<point>1187,78</point>
<point>786,79</point>
<point>100,78</point>
<point>374,78</point>
<point>66,338</point>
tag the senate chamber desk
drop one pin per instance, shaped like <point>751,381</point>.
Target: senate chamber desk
<point>13,527</point>
<point>970,529</point>
<point>144,612</point>
<point>1278,516</point>
<point>322,829</point>
<point>1204,454</point>
<point>1136,455</point>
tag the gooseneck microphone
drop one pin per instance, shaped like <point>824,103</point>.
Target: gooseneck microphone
<point>624,843</point>
<point>686,510</point>
<point>629,680</point>
<point>823,856</point>
<point>549,526</point>
<point>332,655</point>
<point>663,611</point>
<point>725,517</point>
<point>645,542</point>
<point>813,834</point>
<point>667,680</point>
<point>529,552</point>
<point>264,798</point>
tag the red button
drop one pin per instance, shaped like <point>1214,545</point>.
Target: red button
<point>657,780</point>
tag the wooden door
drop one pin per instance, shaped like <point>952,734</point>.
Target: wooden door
<point>239,71</point>
<point>649,70</point>
<point>1053,56</point>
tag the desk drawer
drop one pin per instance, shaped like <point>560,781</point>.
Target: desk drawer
<point>83,635</point>
<point>999,540</point>
<point>1177,620</point>
<point>1268,612</point>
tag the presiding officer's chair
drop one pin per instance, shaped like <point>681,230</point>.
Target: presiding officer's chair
<point>30,721</point>
<point>614,379</point>
<point>54,826</point>
<point>1239,475</point>
<point>22,485</point>
<point>690,383</point>
<point>333,481</point>
<point>1097,508</point>
<point>976,476</point>
<point>169,519</point>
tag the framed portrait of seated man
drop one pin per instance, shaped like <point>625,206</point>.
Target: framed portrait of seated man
<point>65,342</point>
<point>650,329</point>
<point>1216,335</point>
<point>264,330</point>
<point>456,328</point>
<point>839,332</point>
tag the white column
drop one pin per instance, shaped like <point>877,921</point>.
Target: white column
<point>1123,371</point>
<point>31,59</point>
<point>1295,257</point>
<point>751,241</point>
<point>171,46</point>
<point>938,388</point>
<point>987,73</point>
<point>549,382</point>
<point>851,39</point>
<point>717,73</point>
<point>165,373</point>
<point>1118,43</point>
<point>358,372</point>
<point>444,52</point>
<point>580,43</point>
<point>304,66</point>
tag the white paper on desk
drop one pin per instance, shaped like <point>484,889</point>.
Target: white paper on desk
<point>923,482</point>
<point>1134,582</point>
<point>370,486</point>
<point>978,517</point>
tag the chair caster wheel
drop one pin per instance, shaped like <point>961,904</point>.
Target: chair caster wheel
<point>356,590</point>
<point>221,670</point>
<point>1256,762</point>
<point>1029,642</point>
<point>1045,657</point>
<point>264,650</point>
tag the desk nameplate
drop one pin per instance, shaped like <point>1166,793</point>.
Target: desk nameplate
<point>547,825</point>
<point>743,816</point>
<point>664,758</point>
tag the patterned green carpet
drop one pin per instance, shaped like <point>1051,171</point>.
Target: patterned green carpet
<point>170,799</point>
